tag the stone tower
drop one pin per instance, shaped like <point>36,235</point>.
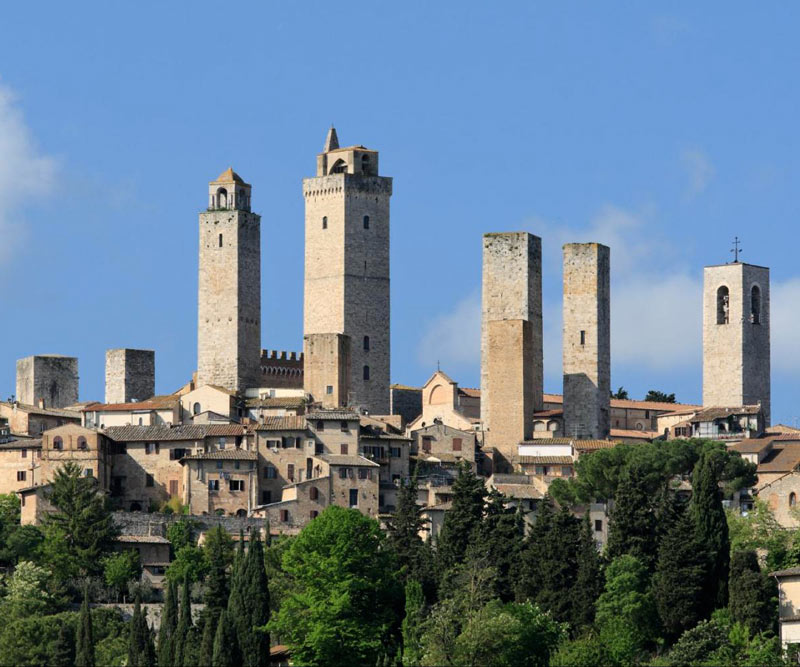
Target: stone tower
<point>736,347</point>
<point>130,375</point>
<point>229,294</point>
<point>52,378</point>
<point>511,339</point>
<point>347,274</point>
<point>587,340</point>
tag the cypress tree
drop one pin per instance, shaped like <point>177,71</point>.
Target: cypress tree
<point>413,624</point>
<point>632,527</point>
<point>404,534</point>
<point>207,642</point>
<point>169,622</point>
<point>217,551</point>
<point>500,540</point>
<point>184,627</point>
<point>711,523</point>
<point>589,581</point>
<point>250,608</point>
<point>62,653</point>
<point>680,578</point>
<point>750,593</point>
<point>224,654</point>
<point>84,651</point>
<point>462,521</point>
<point>141,652</point>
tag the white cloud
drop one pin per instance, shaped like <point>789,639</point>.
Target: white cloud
<point>785,315</point>
<point>699,170</point>
<point>454,338</point>
<point>25,173</point>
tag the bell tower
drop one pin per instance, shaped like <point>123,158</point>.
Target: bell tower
<point>347,275</point>
<point>229,287</point>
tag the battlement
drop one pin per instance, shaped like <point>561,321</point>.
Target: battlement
<point>281,355</point>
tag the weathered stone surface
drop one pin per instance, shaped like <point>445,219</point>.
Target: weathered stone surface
<point>511,339</point>
<point>130,375</point>
<point>51,377</point>
<point>736,336</point>
<point>587,340</point>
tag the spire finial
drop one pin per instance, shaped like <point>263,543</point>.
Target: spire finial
<point>736,250</point>
<point>331,141</point>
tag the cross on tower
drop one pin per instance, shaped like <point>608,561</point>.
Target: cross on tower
<point>736,250</point>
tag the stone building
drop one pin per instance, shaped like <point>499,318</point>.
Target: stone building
<point>736,337</point>
<point>34,420</point>
<point>130,375</point>
<point>281,369</point>
<point>20,461</point>
<point>51,378</point>
<point>347,271</point>
<point>156,411</point>
<point>327,368</point>
<point>229,287</point>
<point>405,401</point>
<point>511,340</point>
<point>87,448</point>
<point>223,481</point>
<point>443,400</point>
<point>587,340</point>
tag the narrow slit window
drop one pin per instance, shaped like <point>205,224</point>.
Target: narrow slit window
<point>220,240</point>
<point>583,338</point>
<point>325,222</point>
<point>366,343</point>
<point>366,222</point>
<point>366,372</point>
<point>723,305</point>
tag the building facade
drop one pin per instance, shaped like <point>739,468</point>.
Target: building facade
<point>51,378</point>
<point>130,375</point>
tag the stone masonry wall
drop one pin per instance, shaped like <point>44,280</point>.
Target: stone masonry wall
<point>130,375</point>
<point>229,299</point>
<point>347,275</point>
<point>511,338</point>
<point>52,377</point>
<point>406,402</point>
<point>587,340</point>
<point>327,364</point>
<point>736,353</point>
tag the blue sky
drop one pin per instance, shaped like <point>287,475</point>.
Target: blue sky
<point>662,129</point>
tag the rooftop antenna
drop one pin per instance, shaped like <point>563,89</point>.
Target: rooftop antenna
<point>736,250</point>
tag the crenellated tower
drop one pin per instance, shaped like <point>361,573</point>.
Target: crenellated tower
<point>347,277</point>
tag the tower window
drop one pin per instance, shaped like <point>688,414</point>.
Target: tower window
<point>366,222</point>
<point>222,198</point>
<point>723,305</point>
<point>220,240</point>
<point>366,372</point>
<point>755,304</point>
<point>339,167</point>
<point>325,222</point>
<point>583,338</point>
<point>366,343</point>
<point>196,409</point>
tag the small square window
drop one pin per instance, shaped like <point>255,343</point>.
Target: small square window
<point>20,475</point>
<point>24,453</point>
<point>213,485</point>
<point>343,449</point>
<point>284,516</point>
<point>329,389</point>
<point>598,526</point>
<point>219,465</point>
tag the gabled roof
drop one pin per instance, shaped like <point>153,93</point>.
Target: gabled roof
<point>155,403</point>
<point>287,423</point>
<point>155,433</point>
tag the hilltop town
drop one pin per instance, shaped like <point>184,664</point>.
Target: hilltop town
<point>264,441</point>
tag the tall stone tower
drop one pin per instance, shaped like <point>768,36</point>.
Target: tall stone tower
<point>51,378</point>
<point>511,339</point>
<point>587,340</point>
<point>229,294</point>
<point>736,347</point>
<point>130,375</point>
<point>347,274</point>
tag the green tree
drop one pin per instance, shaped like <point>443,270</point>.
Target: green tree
<point>548,569</point>
<point>248,605</point>
<point>499,537</point>
<point>626,616</point>
<point>712,526</point>
<point>169,623</point>
<point>206,653</point>
<point>343,603</point>
<point>413,555</point>
<point>751,593</point>
<point>462,521</point>
<point>680,577</point>
<point>84,643</point>
<point>27,591</point>
<point>697,645</point>
<point>659,397</point>
<point>18,543</point>
<point>499,635</point>
<point>224,640</point>
<point>218,552</point>
<point>587,651</point>
<point>184,627</point>
<point>412,623</point>
<point>190,562</point>
<point>588,581</point>
<point>632,526</point>
<point>121,568</point>
<point>758,529</point>
<point>620,394</point>
<point>181,534</point>
<point>62,651</point>
<point>80,530</point>
<point>140,643</point>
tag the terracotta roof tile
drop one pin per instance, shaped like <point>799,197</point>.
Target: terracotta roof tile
<point>290,423</point>
<point>519,491</point>
<point>782,458</point>
<point>236,454</point>
<point>155,403</point>
<point>337,415</point>
<point>546,460</point>
<point>345,460</point>
<point>142,539</point>
<point>155,433</point>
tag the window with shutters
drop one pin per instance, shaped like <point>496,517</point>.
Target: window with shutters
<point>456,444</point>
<point>290,472</point>
<point>173,487</point>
